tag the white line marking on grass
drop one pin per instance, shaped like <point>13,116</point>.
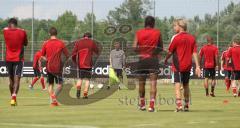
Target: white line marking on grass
<point>46,125</point>
<point>143,125</point>
<point>193,122</point>
<point>212,122</point>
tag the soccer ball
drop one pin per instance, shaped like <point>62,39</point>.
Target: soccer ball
<point>91,86</point>
<point>100,86</point>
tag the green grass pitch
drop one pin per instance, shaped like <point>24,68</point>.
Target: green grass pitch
<point>33,110</point>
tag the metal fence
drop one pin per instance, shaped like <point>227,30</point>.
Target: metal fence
<point>106,48</point>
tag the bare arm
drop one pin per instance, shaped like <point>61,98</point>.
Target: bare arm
<point>135,42</point>
<point>198,70</point>
<point>222,63</point>
<point>169,54</point>
<point>25,39</point>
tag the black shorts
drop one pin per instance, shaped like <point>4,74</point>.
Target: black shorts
<point>235,75</point>
<point>85,73</point>
<point>51,77</point>
<point>228,73</point>
<point>209,73</point>
<point>181,77</point>
<point>37,73</point>
<point>147,66</point>
<point>118,72</point>
<point>15,68</point>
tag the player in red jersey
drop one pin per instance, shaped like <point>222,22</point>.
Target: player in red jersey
<point>82,55</point>
<point>226,67</point>
<point>52,50</point>
<point>38,72</point>
<point>15,40</point>
<point>148,44</point>
<point>209,56</point>
<point>182,47</point>
<point>234,57</point>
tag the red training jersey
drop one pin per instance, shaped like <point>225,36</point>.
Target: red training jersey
<point>209,53</point>
<point>234,56</point>
<point>83,52</point>
<point>36,58</point>
<point>52,49</point>
<point>149,39</point>
<point>226,65</point>
<point>15,39</point>
<point>182,46</point>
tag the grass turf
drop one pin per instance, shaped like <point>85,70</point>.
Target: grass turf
<point>117,111</point>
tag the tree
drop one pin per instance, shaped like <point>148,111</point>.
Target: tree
<point>65,25</point>
<point>42,35</point>
<point>130,11</point>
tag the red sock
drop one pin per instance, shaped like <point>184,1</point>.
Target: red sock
<point>142,101</point>
<point>14,97</point>
<point>78,87</point>
<point>53,97</point>
<point>34,80</point>
<point>228,83</point>
<point>234,90</point>
<point>186,102</point>
<point>43,83</point>
<point>179,102</point>
<point>152,102</point>
<point>85,94</point>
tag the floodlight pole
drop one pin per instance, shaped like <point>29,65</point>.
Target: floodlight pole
<point>218,26</point>
<point>154,8</point>
<point>92,19</point>
<point>32,30</point>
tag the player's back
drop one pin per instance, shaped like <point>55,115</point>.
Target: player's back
<point>209,53</point>
<point>85,48</point>
<point>15,39</point>
<point>52,50</point>
<point>235,56</point>
<point>148,39</point>
<point>53,47</point>
<point>183,45</point>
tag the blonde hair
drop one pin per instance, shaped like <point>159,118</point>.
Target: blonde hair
<point>181,22</point>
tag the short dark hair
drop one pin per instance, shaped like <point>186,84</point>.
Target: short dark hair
<point>149,21</point>
<point>209,39</point>
<point>53,31</point>
<point>13,21</point>
<point>87,34</point>
<point>236,39</point>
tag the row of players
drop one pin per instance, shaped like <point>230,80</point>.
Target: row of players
<point>147,44</point>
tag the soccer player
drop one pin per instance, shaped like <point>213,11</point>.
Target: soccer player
<point>148,44</point>
<point>234,57</point>
<point>82,55</point>
<point>227,68</point>
<point>209,55</point>
<point>117,61</point>
<point>182,47</point>
<point>37,68</point>
<point>15,40</point>
<point>52,50</point>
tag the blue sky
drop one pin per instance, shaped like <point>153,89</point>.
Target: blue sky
<point>51,9</point>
